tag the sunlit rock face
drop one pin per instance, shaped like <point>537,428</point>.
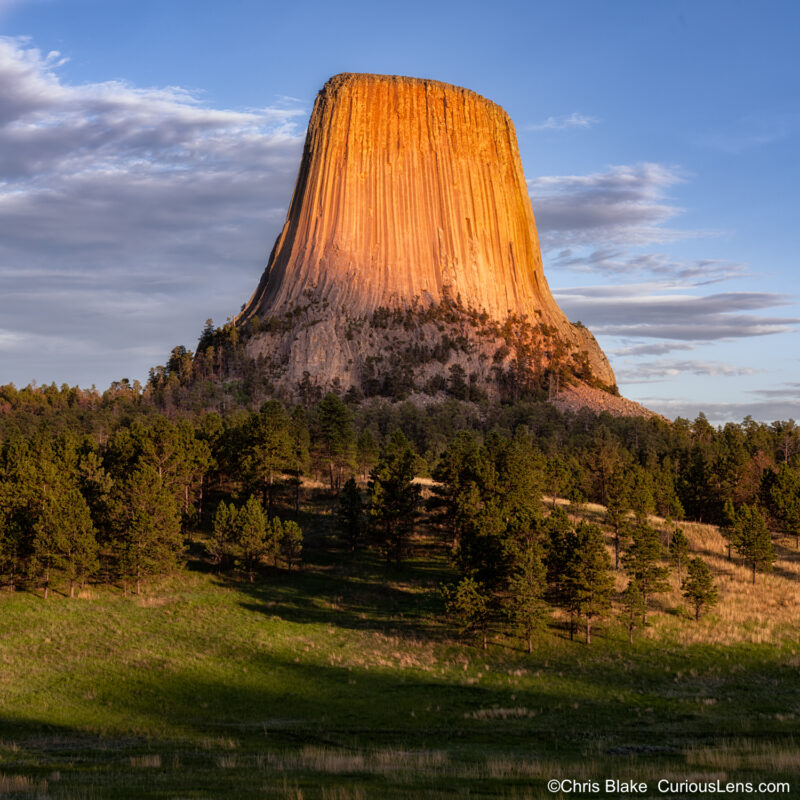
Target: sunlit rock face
<point>410,194</point>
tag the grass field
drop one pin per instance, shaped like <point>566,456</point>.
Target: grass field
<point>341,682</point>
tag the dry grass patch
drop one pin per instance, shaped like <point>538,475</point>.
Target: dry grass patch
<point>748,754</point>
<point>504,767</point>
<point>219,743</point>
<point>343,793</point>
<point>335,761</point>
<point>390,651</point>
<point>22,786</point>
<point>148,761</point>
<point>153,601</point>
<point>759,613</point>
<point>501,713</point>
<point>762,613</point>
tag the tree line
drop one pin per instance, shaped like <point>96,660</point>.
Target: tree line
<point>107,487</point>
<point>700,466</point>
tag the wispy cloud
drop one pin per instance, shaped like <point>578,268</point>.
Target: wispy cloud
<point>116,141</point>
<point>654,371</point>
<point>9,5</point>
<point>788,391</point>
<point>652,349</point>
<point>564,122</point>
<point>767,410</point>
<point>752,132</point>
<point>625,205</point>
<point>618,262</point>
<point>646,311</point>
<point>120,204</point>
<point>606,223</point>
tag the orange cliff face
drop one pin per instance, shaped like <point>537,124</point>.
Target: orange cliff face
<point>411,192</point>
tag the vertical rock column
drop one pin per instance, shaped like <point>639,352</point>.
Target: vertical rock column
<point>411,189</point>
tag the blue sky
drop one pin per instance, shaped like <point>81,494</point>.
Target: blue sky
<point>148,151</point>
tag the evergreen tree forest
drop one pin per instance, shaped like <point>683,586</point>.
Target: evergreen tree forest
<point>124,486</point>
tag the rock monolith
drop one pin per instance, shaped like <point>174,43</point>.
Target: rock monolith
<point>411,202</point>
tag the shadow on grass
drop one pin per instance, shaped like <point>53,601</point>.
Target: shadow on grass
<point>359,599</point>
<point>274,702</point>
<point>786,554</point>
<point>725,566</point>
<point>358,591</point>
<point>228,732</point>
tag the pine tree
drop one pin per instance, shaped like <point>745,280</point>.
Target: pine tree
<point>222,546</point>
<point>604,461</point>
<point>270,449</point>
<point>634,607</point>
<point>46,523</point>
<point>468,604</point>
<point>291,543</point>
<point>95,484</point>
<point>588,582</point>
<point>458,477</point>
<point>250,531</point>
<point>367,452</point>
<point>784,500</point>
<point>698,586</point>
<point>335,439</point>
<point>678,549</point>
<point>558,477</point>
<point>170,449</point>
<point>273,533</point>
<point>519,469</point>
<point>394,498</point>
<point>728,527</point>
<point>351,514</point>
<point>641,495</point>
<point>558,545</point>
<point>525,606</point>
<point>46,543</point>
<point>146,526</point>
<point>665,497</point>
<point>64,536</point>
<point>618,504</point>
<point>20,487</point>
<point>752,539</point>
<point>642,564</point>
<point>301,445</point>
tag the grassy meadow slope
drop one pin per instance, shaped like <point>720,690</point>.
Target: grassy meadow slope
<point>341,681</point>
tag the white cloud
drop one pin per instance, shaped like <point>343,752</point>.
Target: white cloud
<point>653,371</point>
<point>618,262</point>
<point>625,205</point>
<point>646,311</point>
<point>120,204</point>
<point>652,349</point>
<point>720,413</point>
<point>602,222</point>
<point>564,122</point>
<point>788,391</point>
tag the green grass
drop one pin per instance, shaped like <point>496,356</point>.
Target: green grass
<point>337,682</point>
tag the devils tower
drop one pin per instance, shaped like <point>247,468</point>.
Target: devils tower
<point>409,260</point>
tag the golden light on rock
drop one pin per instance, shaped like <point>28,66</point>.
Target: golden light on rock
<point>410,193</point>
